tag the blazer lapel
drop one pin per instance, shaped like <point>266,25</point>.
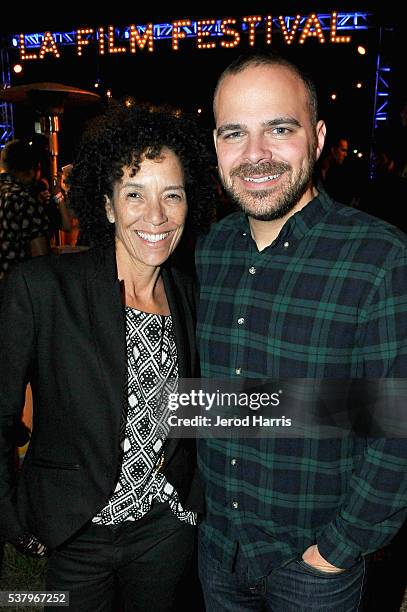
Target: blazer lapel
<point>179,323</point>
<point>182,341</point>
<point>108,326</point>
<point>107,321</point>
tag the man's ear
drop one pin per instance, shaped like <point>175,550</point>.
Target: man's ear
<point>109,210</point>
<point>320,134</point>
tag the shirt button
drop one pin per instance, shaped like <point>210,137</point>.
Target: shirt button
<point>233,462</point>
<point>252,270</point>
<point>286,245</point>
<point>235,504</point>
<point>240,320</point>
<point>238,370</point>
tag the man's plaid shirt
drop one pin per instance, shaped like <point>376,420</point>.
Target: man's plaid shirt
<point>327,299</point>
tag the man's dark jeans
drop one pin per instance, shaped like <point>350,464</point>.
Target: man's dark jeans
<point>295,587</point>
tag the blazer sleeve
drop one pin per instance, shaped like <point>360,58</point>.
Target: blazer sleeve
<point>17,335</point>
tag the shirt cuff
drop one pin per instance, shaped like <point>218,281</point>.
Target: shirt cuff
<point>335,549</point>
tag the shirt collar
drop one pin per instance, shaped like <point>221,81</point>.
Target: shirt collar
<point>298,225</point>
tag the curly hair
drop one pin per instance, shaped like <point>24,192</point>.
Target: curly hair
<point>122,137</point>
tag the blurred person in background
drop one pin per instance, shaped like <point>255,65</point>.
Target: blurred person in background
<point>336,172</point>
<point>69,234</point>
<point>55,205</point>
<point>23,227</point>
<point>385,195</point>
<point>23,220</point>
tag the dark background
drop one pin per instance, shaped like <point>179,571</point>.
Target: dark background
<point>185,79</point>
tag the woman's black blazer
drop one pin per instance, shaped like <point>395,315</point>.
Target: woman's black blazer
<point>62,328</point>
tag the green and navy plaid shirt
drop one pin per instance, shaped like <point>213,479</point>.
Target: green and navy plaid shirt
<point>327,299</point>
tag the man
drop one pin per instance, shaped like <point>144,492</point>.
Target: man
<point>337,174</point>
<point>337,154</point>
<point>385,195</point>
<point>23,222</point>
<point>294,286</point>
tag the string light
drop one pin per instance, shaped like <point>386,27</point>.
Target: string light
<point>269,29</point>
<point>333,96</point>
<point>141,41</point>
<point>317,31</point>
<point>81,42</point>
<point>142,37</point>
<point>289,34</point>
<point>109,93</point>
<point>17,68</point>
<point>177,33</point>
<point>101,41</point>
<point>200,34</point>
<point>251,22</point>
<point>334,37</point>
<point>229,32</point>
<point>112,48</point>
<point>359,85</point>
<point>23,54</point>
<point>48,45</point>
<point>199,111</point>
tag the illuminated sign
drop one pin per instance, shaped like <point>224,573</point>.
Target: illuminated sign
<point>209,34</point>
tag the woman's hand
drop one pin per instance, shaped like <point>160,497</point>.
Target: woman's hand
<point>29,545</point>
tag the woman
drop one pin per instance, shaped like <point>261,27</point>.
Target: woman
<point>99,335</point>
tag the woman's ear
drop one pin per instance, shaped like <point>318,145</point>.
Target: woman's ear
<point>109,210</point>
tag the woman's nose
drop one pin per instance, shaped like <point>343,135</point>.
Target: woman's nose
<point>155,213</point>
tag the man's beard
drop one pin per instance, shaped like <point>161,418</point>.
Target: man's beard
<point>268,204</point>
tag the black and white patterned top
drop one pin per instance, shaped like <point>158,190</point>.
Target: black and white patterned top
<point>22,219</point>
<point>152,367</point>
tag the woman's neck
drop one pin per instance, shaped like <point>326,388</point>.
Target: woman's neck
<point>142,286</point>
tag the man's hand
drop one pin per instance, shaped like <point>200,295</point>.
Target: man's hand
<point>312,557</point>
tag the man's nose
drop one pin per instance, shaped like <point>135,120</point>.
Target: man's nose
<point>257,149</point>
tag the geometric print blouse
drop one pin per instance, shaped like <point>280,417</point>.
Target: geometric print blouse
<point>152,372</point>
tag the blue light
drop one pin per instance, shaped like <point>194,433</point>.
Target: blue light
<point>345,22</point>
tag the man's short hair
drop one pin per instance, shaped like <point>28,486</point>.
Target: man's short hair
<point>18,156</point>
<point>272,59</point>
